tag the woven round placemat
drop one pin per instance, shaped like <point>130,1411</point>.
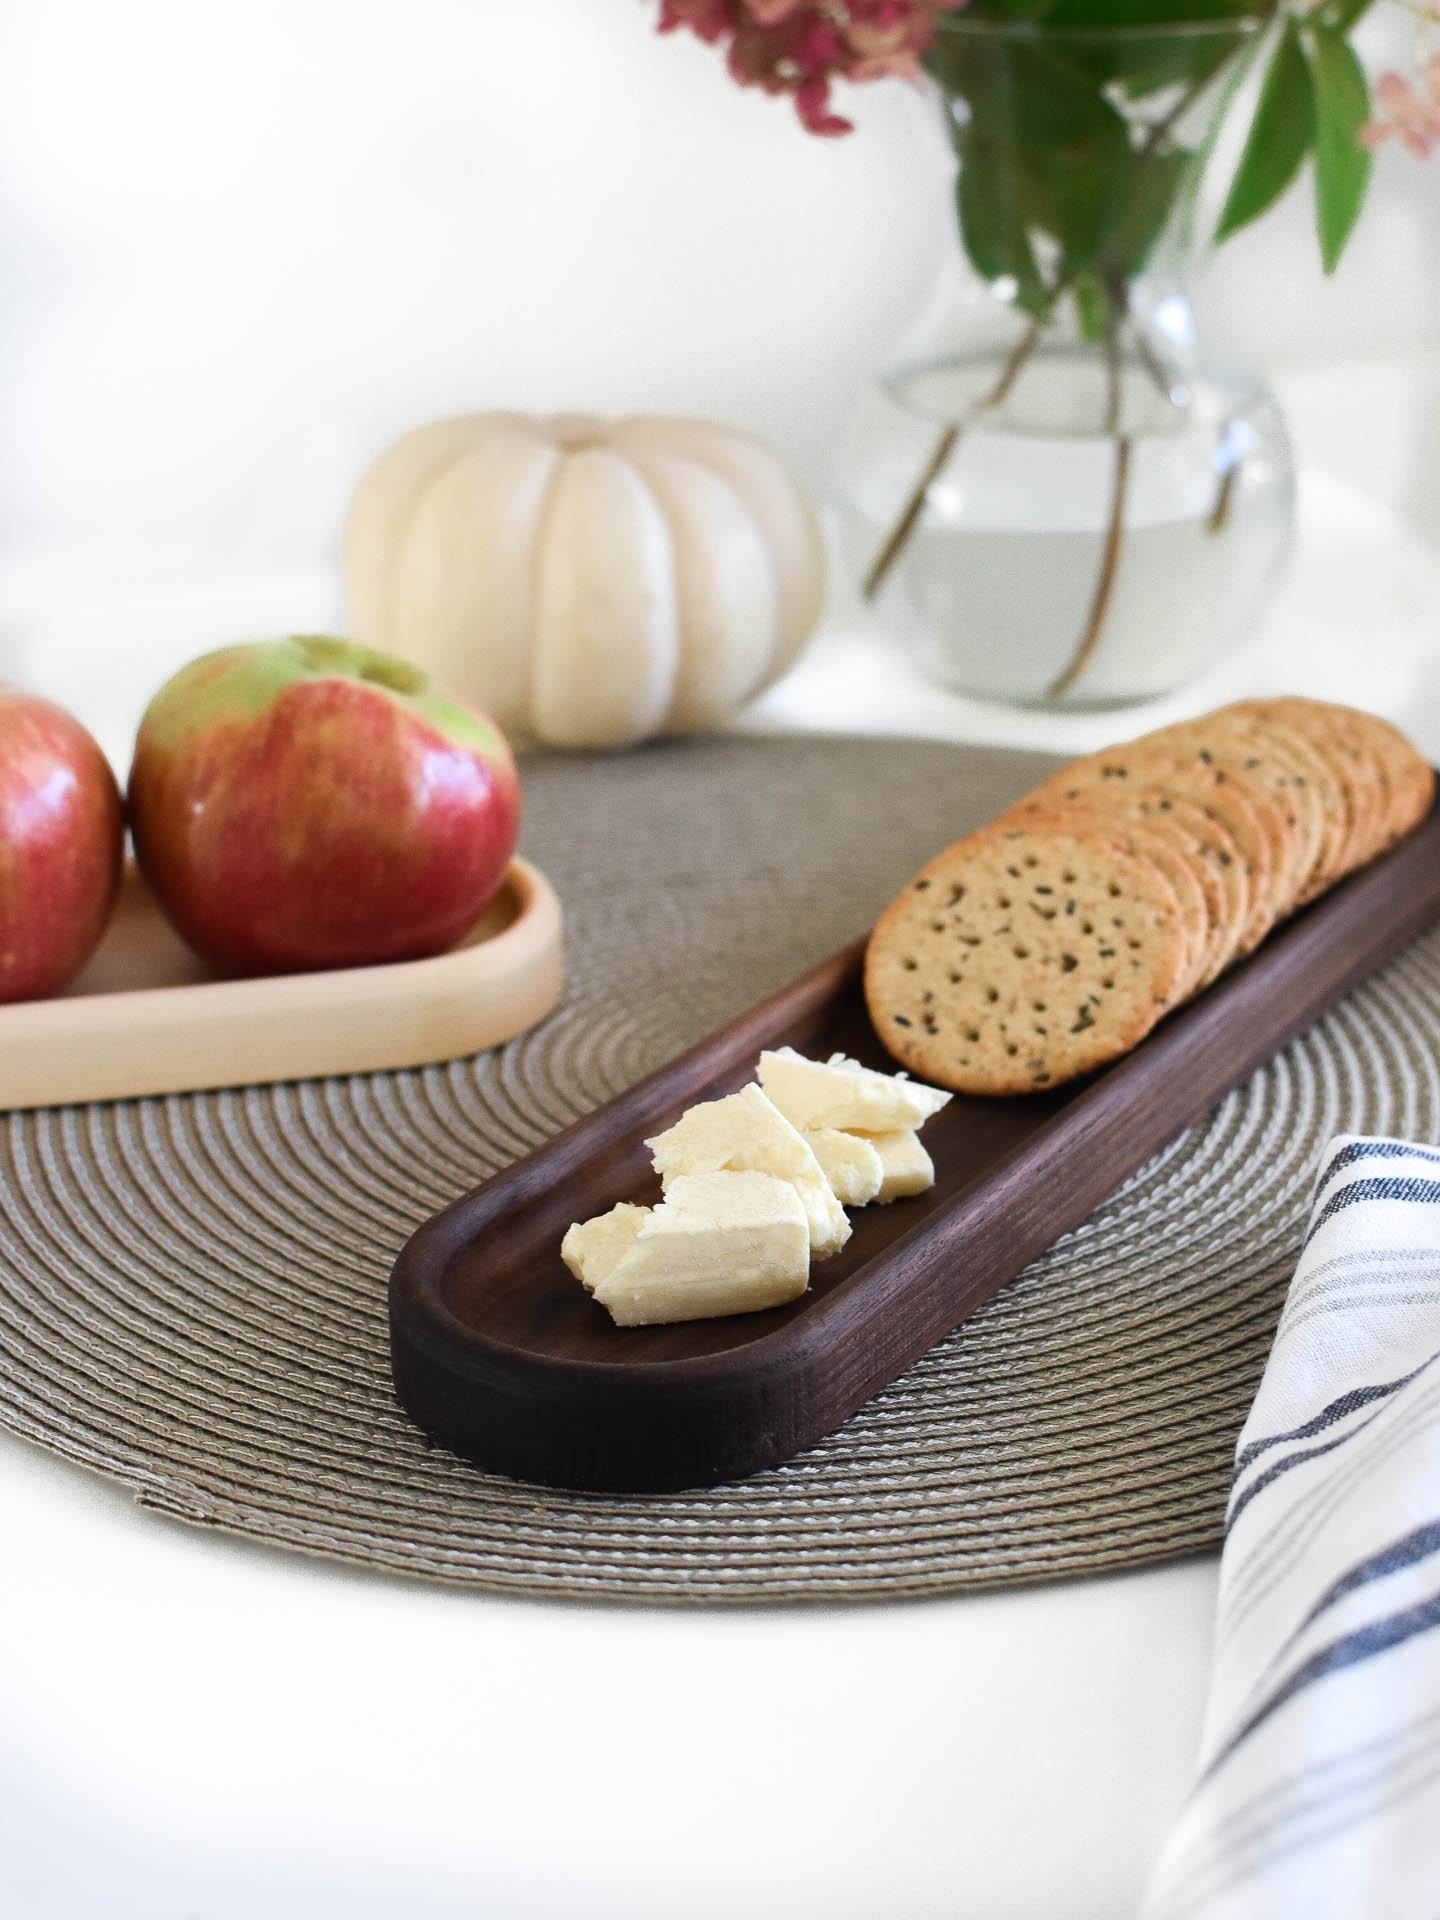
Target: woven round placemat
<point>192,1289</point>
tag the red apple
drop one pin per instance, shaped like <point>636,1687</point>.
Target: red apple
<point>308,803</point>
<point>61,839</point>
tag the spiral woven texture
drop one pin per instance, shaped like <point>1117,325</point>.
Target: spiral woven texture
<point>192,1289</point>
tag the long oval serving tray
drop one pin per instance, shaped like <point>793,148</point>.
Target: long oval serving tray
<point>498,1353</point>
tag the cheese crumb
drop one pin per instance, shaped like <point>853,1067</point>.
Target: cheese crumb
<point>906,1168</point>
<point>849,1163</point>
<point>592,1249</point>
<point>717,1243</point>
<point>840,1093</point>
<point>746,1133</point>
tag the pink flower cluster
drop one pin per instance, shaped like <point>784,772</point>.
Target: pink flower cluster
<point>1409,110</point>
<point>799,46</point>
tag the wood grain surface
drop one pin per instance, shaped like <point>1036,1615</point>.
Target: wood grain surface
<point>147,1016</point>
<point>498,1353</point>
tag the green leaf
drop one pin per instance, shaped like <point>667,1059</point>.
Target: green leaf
<point>1346,15</point>
<point>1342,165</point>
<point>1280,136</point>
<point>1145,207</point>
<point>1137,15</point>
<point>1043,156</point>
<point>1076,192</point>
<point>1030,90</point>
<point>992,224</point>
<point>1142,65</point>
<point>1094,314</point>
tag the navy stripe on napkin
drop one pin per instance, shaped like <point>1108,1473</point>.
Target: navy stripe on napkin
<point>1291,1460</point>
<point>1343,1404</point>
<point>1407,1551</point>
<point>1372,1150</point>
<point>1366,1643</point>
<point>1382,1187</point>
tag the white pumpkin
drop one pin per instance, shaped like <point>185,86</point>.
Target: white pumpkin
<point>589,583</point>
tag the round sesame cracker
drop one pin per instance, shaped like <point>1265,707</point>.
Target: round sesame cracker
<point>1354,768</point>
<point>1157,841</point>
<point>1269,789</point>
<point>1410,777</point>
<point>1022,957</point>
<point>1220,866</point>
<point>1254,823</point>
<point>1287,771</point>
<point>1327,786</point>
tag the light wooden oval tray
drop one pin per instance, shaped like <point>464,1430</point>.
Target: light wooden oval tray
<point>147,1016</point>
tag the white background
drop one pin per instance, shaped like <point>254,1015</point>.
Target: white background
<point>245,244</point>
<point>242,245</point>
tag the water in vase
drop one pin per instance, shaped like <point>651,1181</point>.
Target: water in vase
<point>1047,565</point>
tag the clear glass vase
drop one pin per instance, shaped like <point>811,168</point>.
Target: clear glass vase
<point>1054,492</point>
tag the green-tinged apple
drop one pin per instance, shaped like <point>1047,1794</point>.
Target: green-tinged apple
<point>62,837</point>
<point>307,803</point>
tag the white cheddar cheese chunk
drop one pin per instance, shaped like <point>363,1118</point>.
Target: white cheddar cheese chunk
<point>841,1093</point>
<point>717,1243</point>
<point>906,1167</point>
<point>849,1163</point>
<point>746,1133</point>
<point>592,1249</point>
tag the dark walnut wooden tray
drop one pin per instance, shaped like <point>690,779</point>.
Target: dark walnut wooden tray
<point>499,1354</point>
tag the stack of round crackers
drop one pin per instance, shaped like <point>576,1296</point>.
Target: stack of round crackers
<point>1052,940</point>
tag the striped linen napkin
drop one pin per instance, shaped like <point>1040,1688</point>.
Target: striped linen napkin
<point>1318,1793</point>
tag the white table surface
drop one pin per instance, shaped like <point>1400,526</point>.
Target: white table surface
<point>196,1729</point>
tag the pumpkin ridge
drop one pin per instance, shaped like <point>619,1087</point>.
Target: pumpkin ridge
<point>762,537</point>
<point>387,641</point>
<point>791,535</point>
<point>372,608</point>
<point>621,643</point>
<point>693,704</point>
<point>543,516</point>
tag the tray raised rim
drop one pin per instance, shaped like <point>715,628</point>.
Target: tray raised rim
<point>130,1042</point>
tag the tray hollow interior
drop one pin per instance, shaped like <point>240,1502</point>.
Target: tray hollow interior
<point>511,1283</point>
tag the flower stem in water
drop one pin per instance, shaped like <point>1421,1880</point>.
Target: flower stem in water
<point>898,538</point>
<point>1114,537</point>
